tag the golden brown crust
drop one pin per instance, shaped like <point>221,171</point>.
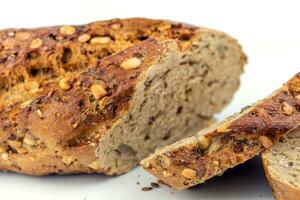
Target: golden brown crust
<point>232,142</point>
<point>66,52</point>
<point>281,190</point>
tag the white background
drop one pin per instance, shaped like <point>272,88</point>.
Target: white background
<point>269,32</point>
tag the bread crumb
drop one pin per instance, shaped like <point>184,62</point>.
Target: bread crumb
<point>146,189</point>
<point>155,185</point>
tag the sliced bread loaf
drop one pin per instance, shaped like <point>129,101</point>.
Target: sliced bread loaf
<point>222,146</point>
<point>68,106</point>
<point>281,164</point>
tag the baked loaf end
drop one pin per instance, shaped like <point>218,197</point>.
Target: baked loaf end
<point>240,137</point>
<point>73,101</point>
<point>281,164</point>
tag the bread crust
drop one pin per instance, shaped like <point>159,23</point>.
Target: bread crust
<point>46,76</point>
<point>281,189</point>
<point>232,142</point>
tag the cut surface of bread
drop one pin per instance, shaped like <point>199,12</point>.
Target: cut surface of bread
<point>281,164</point>
<point>224,145</point>
<point>100,97</point>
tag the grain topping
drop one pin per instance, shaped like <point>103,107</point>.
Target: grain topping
<point>287,109</point>
<point>84,38</point>
<point>131,63</point>
<point>67,30</point>
<point>98,91</point>
<point>189,173</point>
<point>64,84</point>
<point>203,142</point>
<point>36,43</point>
<point>100,40</point>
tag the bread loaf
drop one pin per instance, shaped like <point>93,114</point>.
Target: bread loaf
<point>100,97</point>
<point>224,145</point>
<point>281,164</point>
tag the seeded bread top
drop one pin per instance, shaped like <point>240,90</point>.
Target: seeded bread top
<point>63,110</point>
<point>25,54</point>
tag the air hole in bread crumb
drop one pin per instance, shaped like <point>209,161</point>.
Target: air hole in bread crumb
<point>147,137</point>
<point>167,136</point>
<point>165,85</point>
<point>210,83</point>
<point>179,109</point>
<point>151,120</point>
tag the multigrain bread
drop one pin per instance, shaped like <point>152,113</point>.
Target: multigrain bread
<point>72,101</point>
<point>222,146</point>
<point>281,164</point>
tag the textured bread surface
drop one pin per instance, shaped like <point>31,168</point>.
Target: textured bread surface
<point>281,164</point>
<point>100,97</point>
<point>224,145</point>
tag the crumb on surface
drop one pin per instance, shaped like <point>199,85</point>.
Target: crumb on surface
<point>146,189</point>
<point>155,185</point>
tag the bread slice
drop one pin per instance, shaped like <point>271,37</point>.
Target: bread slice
<point>281,164</point>
<point>222,146</point>
<point>73,101</point>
